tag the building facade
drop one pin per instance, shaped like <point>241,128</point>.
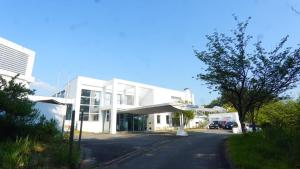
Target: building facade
<point>98,102</point>
<point>16,59</point>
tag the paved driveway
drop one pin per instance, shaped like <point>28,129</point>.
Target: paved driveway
<point>201,149</point>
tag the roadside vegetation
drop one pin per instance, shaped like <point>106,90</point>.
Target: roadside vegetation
<point>277,146</point>
<point>253,81</point>
<point>27,139</point>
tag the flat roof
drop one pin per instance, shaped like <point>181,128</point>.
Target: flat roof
<point>158,108</point>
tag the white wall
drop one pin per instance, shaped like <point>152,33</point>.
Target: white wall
<point>163,121</point>
<point>52,111</point>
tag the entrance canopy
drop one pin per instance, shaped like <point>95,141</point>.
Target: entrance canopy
<point>158,108</point>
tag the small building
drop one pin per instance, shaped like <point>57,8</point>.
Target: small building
<point>53,108</point>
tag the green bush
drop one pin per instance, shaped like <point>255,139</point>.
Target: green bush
<point>59,152</point>
<point>15,155</point>
<point>269,149</point>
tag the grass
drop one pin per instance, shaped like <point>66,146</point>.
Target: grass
<point>26,153</point>
<point>260,151</point>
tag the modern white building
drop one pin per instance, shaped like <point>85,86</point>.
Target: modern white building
<point>16,59</point>
<point>104,104</point>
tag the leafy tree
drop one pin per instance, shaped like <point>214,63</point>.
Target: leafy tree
<point>281,114</point>
<point>187,116</point>
<point>229,107</point>
<point>248,79</point>
<point>16,110</point>
<point>220,101</point>
<point>215,102</point>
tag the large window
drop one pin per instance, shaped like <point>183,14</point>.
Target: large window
<point>158,119</point>
<point>89,105</point>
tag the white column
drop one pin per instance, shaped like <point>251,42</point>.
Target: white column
<point>113,113</point>
<point>180,131</point>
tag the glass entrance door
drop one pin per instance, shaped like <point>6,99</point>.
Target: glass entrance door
<point>130,122</point>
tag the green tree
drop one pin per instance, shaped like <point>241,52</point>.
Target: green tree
<point>247,79</point>
<point>187,116</point>
<point>280,114</point>
<point>215,102</point>
<point>16,110</point>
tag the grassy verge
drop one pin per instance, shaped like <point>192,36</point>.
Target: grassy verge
<point>27,153</point>
<point>264,150</point>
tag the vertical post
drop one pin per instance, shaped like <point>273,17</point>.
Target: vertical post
<point>71,140</point>
<point>80,132</point>
<point>133,123</point>
<point>113,113</point>
<point>63,126</point>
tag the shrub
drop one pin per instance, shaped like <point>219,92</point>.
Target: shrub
<point>15,155</point>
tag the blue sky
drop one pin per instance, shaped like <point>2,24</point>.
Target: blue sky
<point>149,41</point>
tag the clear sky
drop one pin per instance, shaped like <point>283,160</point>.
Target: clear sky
<point>149,41</point>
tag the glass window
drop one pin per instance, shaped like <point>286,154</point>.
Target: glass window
<point>129,99</point>
<point>85,117</point>
<point>84,109</point>
<point>95,117</point>
<point>158,119</point>
<point>69,112</point>
<point>94,109</point>
<point>95,101</point>
<point>89,104</point>
<point>86,93</point>
<point>167,119</point>
<point>85,100</point>
<point>107,99</point>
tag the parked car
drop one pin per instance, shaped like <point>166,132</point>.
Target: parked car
<point>230,125</point>
<point>214,125</point>
<point>249,127</point>
<point>221,124</point>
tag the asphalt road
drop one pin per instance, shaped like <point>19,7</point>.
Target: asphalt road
<point>200,150</point>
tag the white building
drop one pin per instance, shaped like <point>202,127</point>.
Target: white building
<point>103,101</point>
<point>16,59</point>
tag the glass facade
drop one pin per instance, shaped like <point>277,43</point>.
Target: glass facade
<point>90,105</point>
<point>131,122</point>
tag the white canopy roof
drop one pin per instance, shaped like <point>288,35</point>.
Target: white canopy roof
<point>158,108</point>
